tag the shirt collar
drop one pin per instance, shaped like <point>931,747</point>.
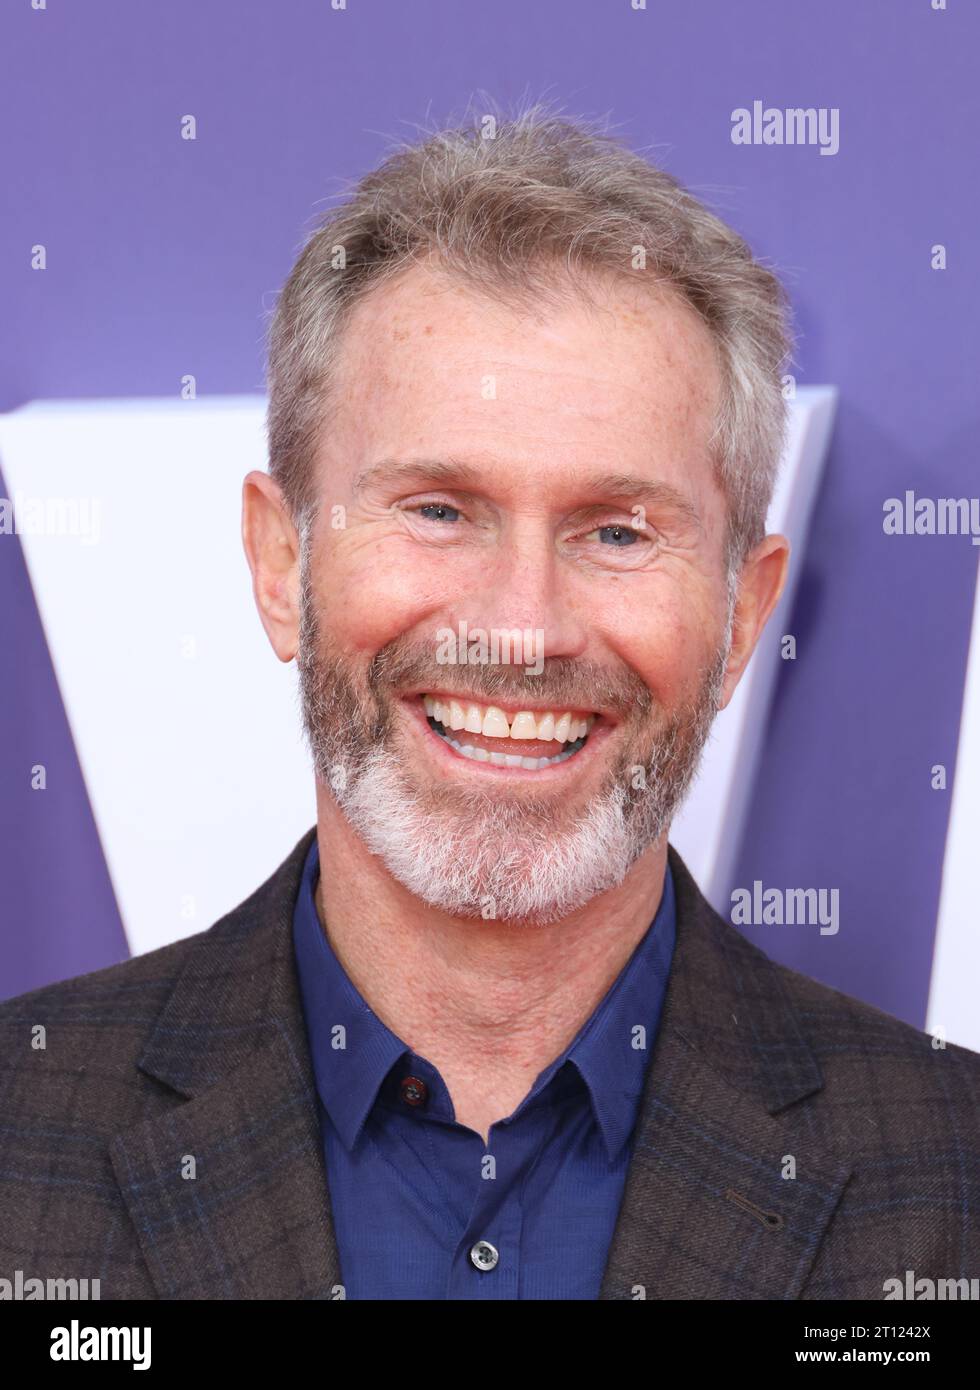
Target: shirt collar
<point>353,1051</point>
<point>613,1047</point>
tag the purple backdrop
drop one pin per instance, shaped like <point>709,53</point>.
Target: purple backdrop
<point>164,254</point>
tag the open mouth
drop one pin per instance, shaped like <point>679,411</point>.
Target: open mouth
<point>524,738</point>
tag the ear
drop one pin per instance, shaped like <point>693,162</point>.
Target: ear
<point>760,585</point>
<point>272,550</point>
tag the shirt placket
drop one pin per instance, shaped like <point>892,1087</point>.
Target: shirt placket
<point>487,1261</point>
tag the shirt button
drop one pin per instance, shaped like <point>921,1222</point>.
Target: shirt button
<point>484,1255</point>
<point>413,1091</point>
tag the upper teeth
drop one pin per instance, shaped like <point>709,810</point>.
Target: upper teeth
<point>493,723</point>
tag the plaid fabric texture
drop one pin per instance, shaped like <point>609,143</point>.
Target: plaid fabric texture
<point>161,1134</point>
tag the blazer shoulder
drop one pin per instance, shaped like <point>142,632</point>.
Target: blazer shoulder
<point>69,1072</point>
<point>861,1048</point>
<point>729,964</point>
<point>92,1028</point>
<point>826,1007</point>
<point>759,1018</point>
<point>138,976</point>
<point>156,970</point>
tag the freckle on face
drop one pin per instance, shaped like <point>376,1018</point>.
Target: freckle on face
<point>635,380</point>
<point>631,387</point>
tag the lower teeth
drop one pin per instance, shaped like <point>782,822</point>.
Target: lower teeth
<point>505,759</point>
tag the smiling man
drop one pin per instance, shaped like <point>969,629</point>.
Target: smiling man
<point>480,1036</point>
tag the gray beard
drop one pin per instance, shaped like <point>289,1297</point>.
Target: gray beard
<point>478,853</point>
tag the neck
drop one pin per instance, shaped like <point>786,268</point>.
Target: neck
<point>490,1004</point>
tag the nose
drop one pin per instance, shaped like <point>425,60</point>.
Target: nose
<point>523,588</point>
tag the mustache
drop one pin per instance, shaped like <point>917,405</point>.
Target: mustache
<point>562,684</point>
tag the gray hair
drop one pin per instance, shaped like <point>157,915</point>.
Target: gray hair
<point>508,206</point>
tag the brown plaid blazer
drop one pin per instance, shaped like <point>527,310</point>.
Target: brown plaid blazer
<point>198,1051</point>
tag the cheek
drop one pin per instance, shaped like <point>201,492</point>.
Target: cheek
<point>369,592</point>
<point>666,638</point>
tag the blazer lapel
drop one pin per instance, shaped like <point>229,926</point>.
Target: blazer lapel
<point>707,1212</point>
<point>227,1189</point>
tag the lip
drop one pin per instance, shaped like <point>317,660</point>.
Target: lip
<point>534,706</point>
<point>455,764</point>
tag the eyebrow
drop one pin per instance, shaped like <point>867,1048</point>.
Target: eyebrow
<point>622,487</point>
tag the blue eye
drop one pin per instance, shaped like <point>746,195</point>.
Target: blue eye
<point>440,507</point>
<point>621,535</point>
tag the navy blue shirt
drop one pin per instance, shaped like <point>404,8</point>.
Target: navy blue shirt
<point>422,1207</point>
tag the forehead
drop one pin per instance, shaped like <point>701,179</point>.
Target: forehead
<point>428,363</point>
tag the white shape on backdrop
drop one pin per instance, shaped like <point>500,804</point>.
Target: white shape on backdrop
<point>184,721</point>
<point>953,1011</point>
<point>186,726</point>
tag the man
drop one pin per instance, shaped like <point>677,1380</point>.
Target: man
<point>480,1036</point>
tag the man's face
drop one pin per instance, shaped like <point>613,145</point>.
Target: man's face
<point>549,474</point>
